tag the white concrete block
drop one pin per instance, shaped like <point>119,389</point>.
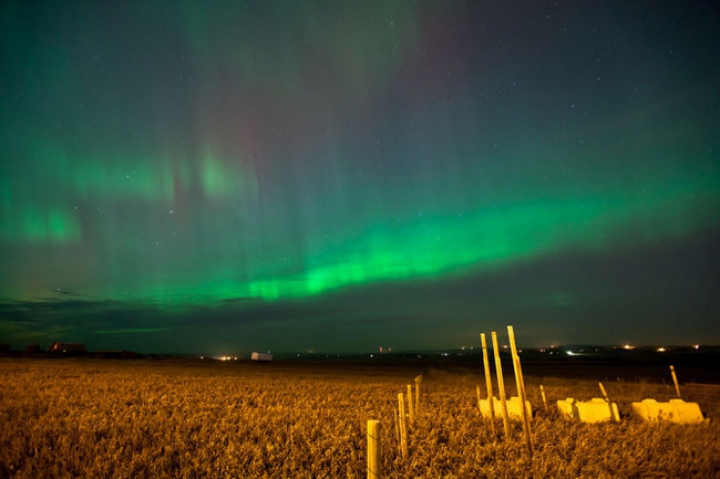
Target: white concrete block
<point>675,410</point>
<point>513,407</point>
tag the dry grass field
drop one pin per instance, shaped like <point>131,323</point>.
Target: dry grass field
<point>85,418</point>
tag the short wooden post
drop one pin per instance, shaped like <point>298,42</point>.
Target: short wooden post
<point>542,393</point>
<point>607,399</point>
<point>488,382</point>
<point>520,385</point>
<point>501,384</point>
<point>373,450</point>
<point>410,404</point>
<point>675,381</point>
<point>403,426</point>
<point>604,392</point>
<point>478,395</point>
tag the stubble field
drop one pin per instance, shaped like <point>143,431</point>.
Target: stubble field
<point>86,418</point>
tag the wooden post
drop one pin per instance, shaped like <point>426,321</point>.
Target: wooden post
<point>675,381</point>
<point>418,380</point>
<point>519,364</point>
<point>373,450</point>
<point>520,385</point>
<point>403,426</point>
<point>488,383</point>
<point>478,395</point>
<point>501,384</point>
<point>410,404</point>
<point>607,399</point>
<point>604,393</point>
<point>542,393</point>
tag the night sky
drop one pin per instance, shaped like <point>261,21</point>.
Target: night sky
<point>222,177</point>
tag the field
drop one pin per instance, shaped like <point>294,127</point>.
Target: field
<point>200,419</point>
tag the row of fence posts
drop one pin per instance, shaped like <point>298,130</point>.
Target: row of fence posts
<point>403,416</point>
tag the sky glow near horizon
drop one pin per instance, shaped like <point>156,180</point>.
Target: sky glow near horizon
<point>338,176</point>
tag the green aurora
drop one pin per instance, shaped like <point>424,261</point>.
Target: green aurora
<point>167,166</point>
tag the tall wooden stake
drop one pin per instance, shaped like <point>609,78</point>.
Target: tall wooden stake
<point>488,382</point>
<point>675,381</point>
<point>520,385</point>
<point>403,426</point>
<point>501,384</point>
<point>373,450</point>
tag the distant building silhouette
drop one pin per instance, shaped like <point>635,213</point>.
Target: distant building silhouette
<point>261,357</point>
<point>67,348</point>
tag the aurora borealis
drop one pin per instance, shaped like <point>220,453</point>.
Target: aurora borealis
<point>334,176</point>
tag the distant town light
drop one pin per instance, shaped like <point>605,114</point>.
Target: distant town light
<point>661,349</point>
<point>696,347</point>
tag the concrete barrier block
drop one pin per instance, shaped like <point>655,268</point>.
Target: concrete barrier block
<point>567,408</point>
<point>513,408</point>
<point>675,410</point>
<point>597,410</point>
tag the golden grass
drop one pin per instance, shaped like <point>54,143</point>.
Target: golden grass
<point>169,419</point>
